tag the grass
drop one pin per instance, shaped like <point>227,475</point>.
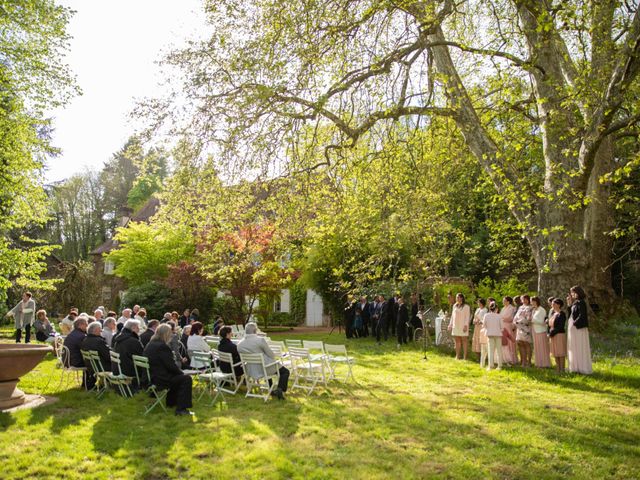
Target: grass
<point>405,418</point>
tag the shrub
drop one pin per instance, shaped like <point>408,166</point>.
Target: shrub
<point>153,296</point>
<point>511,287</point>
<point>298,298</point>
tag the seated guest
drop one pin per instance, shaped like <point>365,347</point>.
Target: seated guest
<point>148,333</point>
<point>166,317</point>
<point>127,343</point>
<point>141,316</point>
<point>126,315</point>
<point>177,348</point>
<point>196,343</point>
<point>94,341</point>
<point>74,340</point>
<point>227,346</point>
<point>184,339</point>
<point>217,325</point>
<point>195,316</point>
<point>252,343</point>
<point>164,372</point>
<point>45,332</point>
<point>66,325</point>
<point>98,315</point>
<point>184,319</point>
<point>108,330</point>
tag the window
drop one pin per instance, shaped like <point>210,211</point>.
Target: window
<point>108,267</point>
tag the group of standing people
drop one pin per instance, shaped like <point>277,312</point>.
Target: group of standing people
<point>523,330</point>
<point>382,318</point>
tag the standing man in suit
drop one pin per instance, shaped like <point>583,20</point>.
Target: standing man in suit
<point>401,325</point>
<point>365,307</point>
<point>382,327</point>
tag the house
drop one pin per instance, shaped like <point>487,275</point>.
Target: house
<point>113,287</point>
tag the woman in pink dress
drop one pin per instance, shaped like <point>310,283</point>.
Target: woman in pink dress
<point>509,355</point>
<point>578,347</point>
<point>477,325</point>
<point>459,325</point>
<point>540,338</point>
<point>557,335</point>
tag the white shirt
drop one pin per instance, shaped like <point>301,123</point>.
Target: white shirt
<point>492,323</point>
<point>539,314</point>
<point>196,343</point>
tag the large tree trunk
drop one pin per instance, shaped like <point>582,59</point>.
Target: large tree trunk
<point>580,254</point>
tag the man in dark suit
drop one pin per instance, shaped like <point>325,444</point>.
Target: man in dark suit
<point>95,342</point>
<point>127,343</point>
<point>73,341</point>
<point>148,333</point>
<point>382,311</point>
<point>401,325</point>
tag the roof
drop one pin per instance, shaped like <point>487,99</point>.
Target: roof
<point>144,214</point>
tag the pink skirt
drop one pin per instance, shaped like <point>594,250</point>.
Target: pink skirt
<point>541,349</point>
<point>475,343</point>
<point>559,345</point>
<point>579,350</point>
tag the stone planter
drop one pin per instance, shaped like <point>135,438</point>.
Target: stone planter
<point>16,360</point>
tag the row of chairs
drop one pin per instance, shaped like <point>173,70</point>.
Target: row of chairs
<point>310,362</point>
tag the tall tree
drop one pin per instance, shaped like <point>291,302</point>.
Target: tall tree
<point>33,78</point>
<point>539,90</point>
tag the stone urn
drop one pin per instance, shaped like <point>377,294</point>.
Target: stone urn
<point>17,360</point>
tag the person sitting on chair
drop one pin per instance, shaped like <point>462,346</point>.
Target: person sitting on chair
<point>227,346</point>
<point>164,372</point>
<point>127,343</point>
<point>197,343</point>
<point>45,331</point>
<point>145,337</point>
<point>94,341</point>
<point>108,330</point>
<point>252,343</point>
<point>74,340</point>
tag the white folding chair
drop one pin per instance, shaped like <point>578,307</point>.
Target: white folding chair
<point>257,377</point>
<point>294,343</point>
<point>141,364</point>
<point>119,379</point>
<point>212,340</point>
<point>210,376</point>
<point>278,351</point>
<point>235,381</point>
<point>316,350</point>
<point>305,370</point>
<point>337,355</point>
<point>68,370</point>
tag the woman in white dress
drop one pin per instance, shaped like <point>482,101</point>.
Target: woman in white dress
<point>578,347</point>
<point>477,325</point>
<point>459,326</point>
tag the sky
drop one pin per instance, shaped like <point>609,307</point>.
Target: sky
<point>113,54</point>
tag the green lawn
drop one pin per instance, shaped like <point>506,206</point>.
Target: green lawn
<point>404,418</point>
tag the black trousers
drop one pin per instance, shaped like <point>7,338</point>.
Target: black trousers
<point>393,323</point>
<point>179,395</point>
<point>27,334</point>
<point>381,329</point>
<point>283,383</point>
<point>401,328</point>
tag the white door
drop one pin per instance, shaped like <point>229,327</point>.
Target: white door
<point>314,309</point>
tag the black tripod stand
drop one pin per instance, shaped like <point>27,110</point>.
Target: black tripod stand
<point>425,332</point>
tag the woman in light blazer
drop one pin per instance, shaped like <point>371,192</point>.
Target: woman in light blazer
<point>197,343</point>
